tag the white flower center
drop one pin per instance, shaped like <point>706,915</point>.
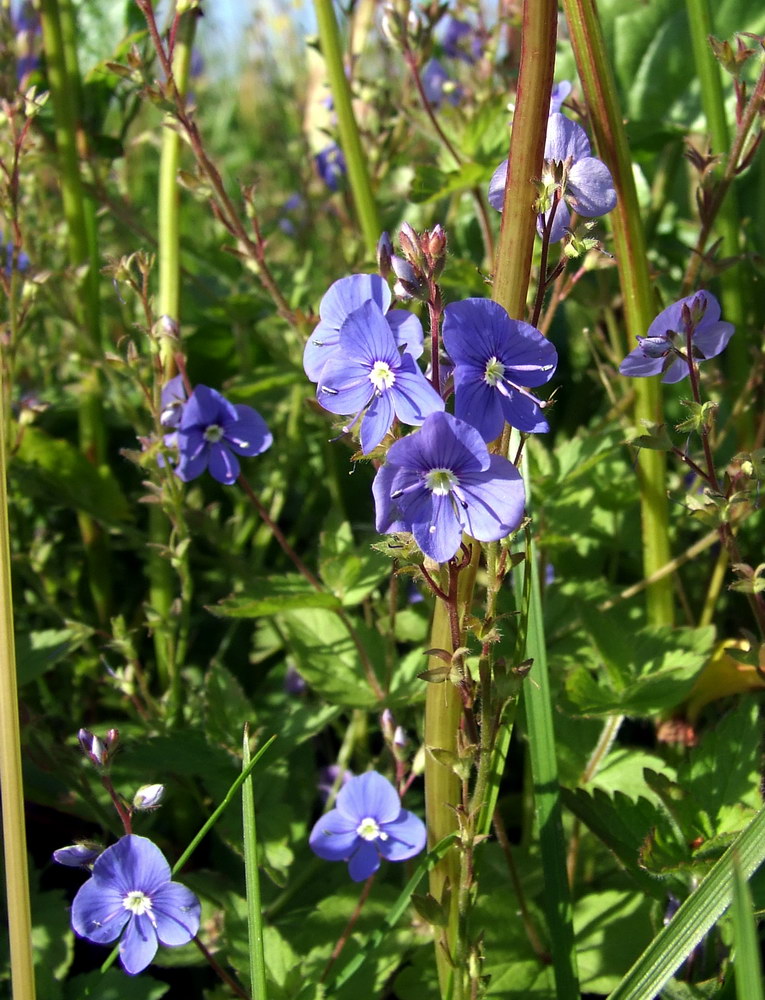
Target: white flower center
<point>369,829</point>
<point>441,481</point>
<point>494,371</point>
<point>137,902</point>
<point>381,376</point>
<point>213,433</point>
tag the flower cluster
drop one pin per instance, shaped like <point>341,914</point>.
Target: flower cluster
<point>572,179</point>
<point>130,893</point>
<point>367,824</point>
<point>209,431</point>
<point>438,481</point>
<point>688,331</point>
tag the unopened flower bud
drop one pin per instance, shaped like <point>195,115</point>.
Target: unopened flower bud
<point>387,725</point>
<point>148,797</point>
<point>93,748</point>
<point>400,738</point>
<point>410,243</point>
<point>78,855</point>
<point>410,285</point>
<point>384,255</point>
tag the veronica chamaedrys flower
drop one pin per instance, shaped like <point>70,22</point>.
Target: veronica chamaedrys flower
<point>370,375</point>
<point>211,430</point>
<point>438,85</point>
<point>343,298</point>
<point>172,401</point>
<point>367,824</point>
<point>131,891</point>
<point>664,349</point>
<point>584,183</point>
<point>441,481</point>
<point>77,855</point>
<point>330,165</point>
<point>496,361</point>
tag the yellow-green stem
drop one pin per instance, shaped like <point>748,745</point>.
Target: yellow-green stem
<point>14,833</point>
<point>639,306</point>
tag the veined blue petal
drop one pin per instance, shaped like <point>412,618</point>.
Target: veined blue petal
<point>590,189</point>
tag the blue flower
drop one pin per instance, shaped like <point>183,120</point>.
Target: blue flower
<point>441,481</point>
<point>370,375</point>
<point>344,297</point>
<point>664,349</point>
<point>438,85</point>
<point>496,361</point>
<point>367,824</point>
<point>559,94</point>
<point>582,182</point>
<point>211,429</point>
<point>330,165</point>
<point>131,894</point>
<point>77,855</point>
<point>459,39</point>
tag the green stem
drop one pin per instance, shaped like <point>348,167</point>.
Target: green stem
<point>443,711</point>
<point>350,140</point>
<point>632,260</point>
<point>512,269</point>
<point>59,36</point>
<point>14,832</point>
<point>732,279</point>
<point>252,880</point>
<point>162,584</point>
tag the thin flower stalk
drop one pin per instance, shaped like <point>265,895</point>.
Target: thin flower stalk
<point>632,260</point>
<point>358,174</point>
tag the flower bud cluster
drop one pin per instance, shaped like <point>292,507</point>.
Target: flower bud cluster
<point>99,751</point>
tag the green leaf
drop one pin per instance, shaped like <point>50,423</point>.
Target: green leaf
<point>271,595</point>
<point>622,825</point>
<point>430,183</point>
<point>327,657</point>
<point>38,652</point>
<point>696,916</point>
<point>114,985</point>
<point>63,476</point>
<point>351,575</point>
<point>611,928</point>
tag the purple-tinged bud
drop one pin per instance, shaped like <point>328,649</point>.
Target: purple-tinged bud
<point>400,739</point>
<point>93,748</point>
<point>410,284</point>
<point>148,797</point>
<point>387,725</point>
<point>293,682</point>
<point>78,855</point>
<point>384,255</point>
<point>409,241</point>
<point>436,241</point>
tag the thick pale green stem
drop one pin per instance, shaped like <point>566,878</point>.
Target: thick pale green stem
<point>512,269</point>
<point>14,832</point>
<point>443,711</point>
<point>162,579</point>
<point>639,305</point>
<point>350,140</point>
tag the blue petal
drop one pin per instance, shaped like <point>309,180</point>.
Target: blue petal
<point>342,298</point>
<point>176,910</point>
<point>523,413</point>
<point>561,222</point>
<point>387,514</point>
<point>565,139</point>
<point>637,365</point>
<point>364,862</point>
<point>497,186</point>
<point>97,911</point>
<point>222,464</point>
<point>133,863</point>
<point>345,386</point>
<point>138,945</point>
<point>206,406</point>
<point>377,421</point>
<point>713,340</point>
<point>413,396</point>
<point>406,836</point>
<point>334,836</point>
<point>439,536</point>
<point>407,331</point>
<point>478,403</point>
<point>366,336</point>
<point>249,434</point>
<point>590,188</point>
<point>369,795</point>
<point>495,501</point>
<point>676,372</point>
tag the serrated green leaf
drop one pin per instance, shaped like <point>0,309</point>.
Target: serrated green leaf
<point>60,472</point>
<point>272,595</point>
